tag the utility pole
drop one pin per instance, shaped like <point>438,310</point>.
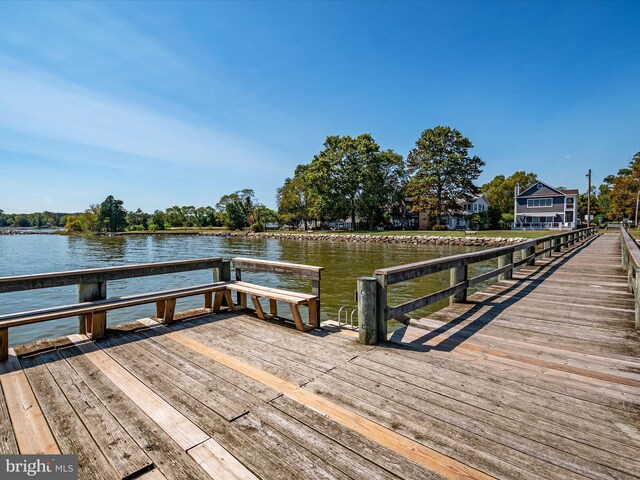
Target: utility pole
<point>589,200</point>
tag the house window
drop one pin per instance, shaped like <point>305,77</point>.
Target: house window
<point>539,202</point>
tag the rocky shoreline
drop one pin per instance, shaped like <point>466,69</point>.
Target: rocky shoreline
<point>470,241</point>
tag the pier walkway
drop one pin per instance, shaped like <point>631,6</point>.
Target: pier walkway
<point>536,377</point>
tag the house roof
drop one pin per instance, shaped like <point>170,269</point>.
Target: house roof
<point>541,189</point>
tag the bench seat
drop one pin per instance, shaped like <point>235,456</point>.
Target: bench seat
<point>294,299</point>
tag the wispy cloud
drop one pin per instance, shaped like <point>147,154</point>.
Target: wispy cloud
<point>36,103</point>
<point>568,157</point>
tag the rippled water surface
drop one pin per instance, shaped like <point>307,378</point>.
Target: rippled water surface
<point>344,262</point>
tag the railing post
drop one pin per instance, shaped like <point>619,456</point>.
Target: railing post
<point>225,271</point>
<point>88,292</point>
<point>636,296</point>
<point>503,261</point>
<point>315,290</point>
<point>528,252</point>
<point>555,243</point>
<point>381,307</point>
<point>547,246</point>
<point>458,275</point>
<point>367,310</point>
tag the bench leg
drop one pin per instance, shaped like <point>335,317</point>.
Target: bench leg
<point>273,307</point>
<point>217,302</point>
<point>227,296</point>
<point>295,312</point>
<point>95,324</point>
<point>258,307</point>
<point>160,310</point>
<point>4,344</point>
<point>314,320</point>
<point>169,310</point>
<point>243,299</point>
<point>208,300</point>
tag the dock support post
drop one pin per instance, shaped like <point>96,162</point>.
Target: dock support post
<point>367,310</point>
<point>547,246</point>
<point>88,292</point>
<point>241,298</point>
<point>315,290</point>
<point>381,307</point>
<point>503,261</point>
<point>458,275</point>
<point>555,243</point>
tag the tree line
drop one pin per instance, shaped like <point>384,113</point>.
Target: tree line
<point>354,178</point>
<point>237,210</point>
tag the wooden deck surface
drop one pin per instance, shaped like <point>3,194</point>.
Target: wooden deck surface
<point>535,378</point>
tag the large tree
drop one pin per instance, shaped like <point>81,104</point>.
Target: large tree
<point>624,187</point>
<point>111,215</point>
<point>442,172</point>
<point>337,174</point>
<point>501,189</point>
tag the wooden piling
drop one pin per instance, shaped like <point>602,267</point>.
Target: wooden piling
<point>367,307</point>
<point>503,261</point>
<point>458,275</point>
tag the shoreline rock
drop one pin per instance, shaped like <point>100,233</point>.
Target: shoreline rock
<point>466,241</point>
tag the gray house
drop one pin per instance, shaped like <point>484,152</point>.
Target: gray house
<point>541,207</point>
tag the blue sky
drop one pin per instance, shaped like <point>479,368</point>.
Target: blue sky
<point>179,103</point>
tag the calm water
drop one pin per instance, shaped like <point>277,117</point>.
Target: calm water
<point>344,262</point>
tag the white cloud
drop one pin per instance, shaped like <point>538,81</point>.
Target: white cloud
<point>568,157</point>
<point>35,103</point>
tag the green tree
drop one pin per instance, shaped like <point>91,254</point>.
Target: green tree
<point>236,208</point>
<point>158,220</point>
<point>137,220</point>
<point>500,191</point>
<point>111,215</point>
<point>337,174</point>
<point>295,199</point>
<point>442,172</point>
<point>3,219</point>
<point>384,177</point>
<point>624,187</point>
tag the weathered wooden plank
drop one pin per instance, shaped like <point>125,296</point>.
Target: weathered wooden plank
<point>168,457</point>
<point>32,432</point>
<point>183,431</point>
<point>8,443</point>
<point>126,458</point>
<point>404,308</point>
<point>71,434</point>
<point>219,463</point>
<point>291,269</point>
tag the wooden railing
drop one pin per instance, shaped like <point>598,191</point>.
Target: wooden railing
<point>631,264</point>
<point>374,311</point>
<point>92,284</point>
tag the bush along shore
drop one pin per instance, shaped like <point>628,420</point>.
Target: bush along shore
<point>471,241</point>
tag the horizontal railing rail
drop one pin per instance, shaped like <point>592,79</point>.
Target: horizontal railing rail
<point>374,311</point>
<point>631,265</point>
<point>104,274</point>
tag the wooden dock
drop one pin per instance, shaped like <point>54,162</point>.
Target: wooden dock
<point>535,377</point>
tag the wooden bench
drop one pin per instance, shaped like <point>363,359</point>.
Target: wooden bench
<point>274,295</point>
<point>95,311</point>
